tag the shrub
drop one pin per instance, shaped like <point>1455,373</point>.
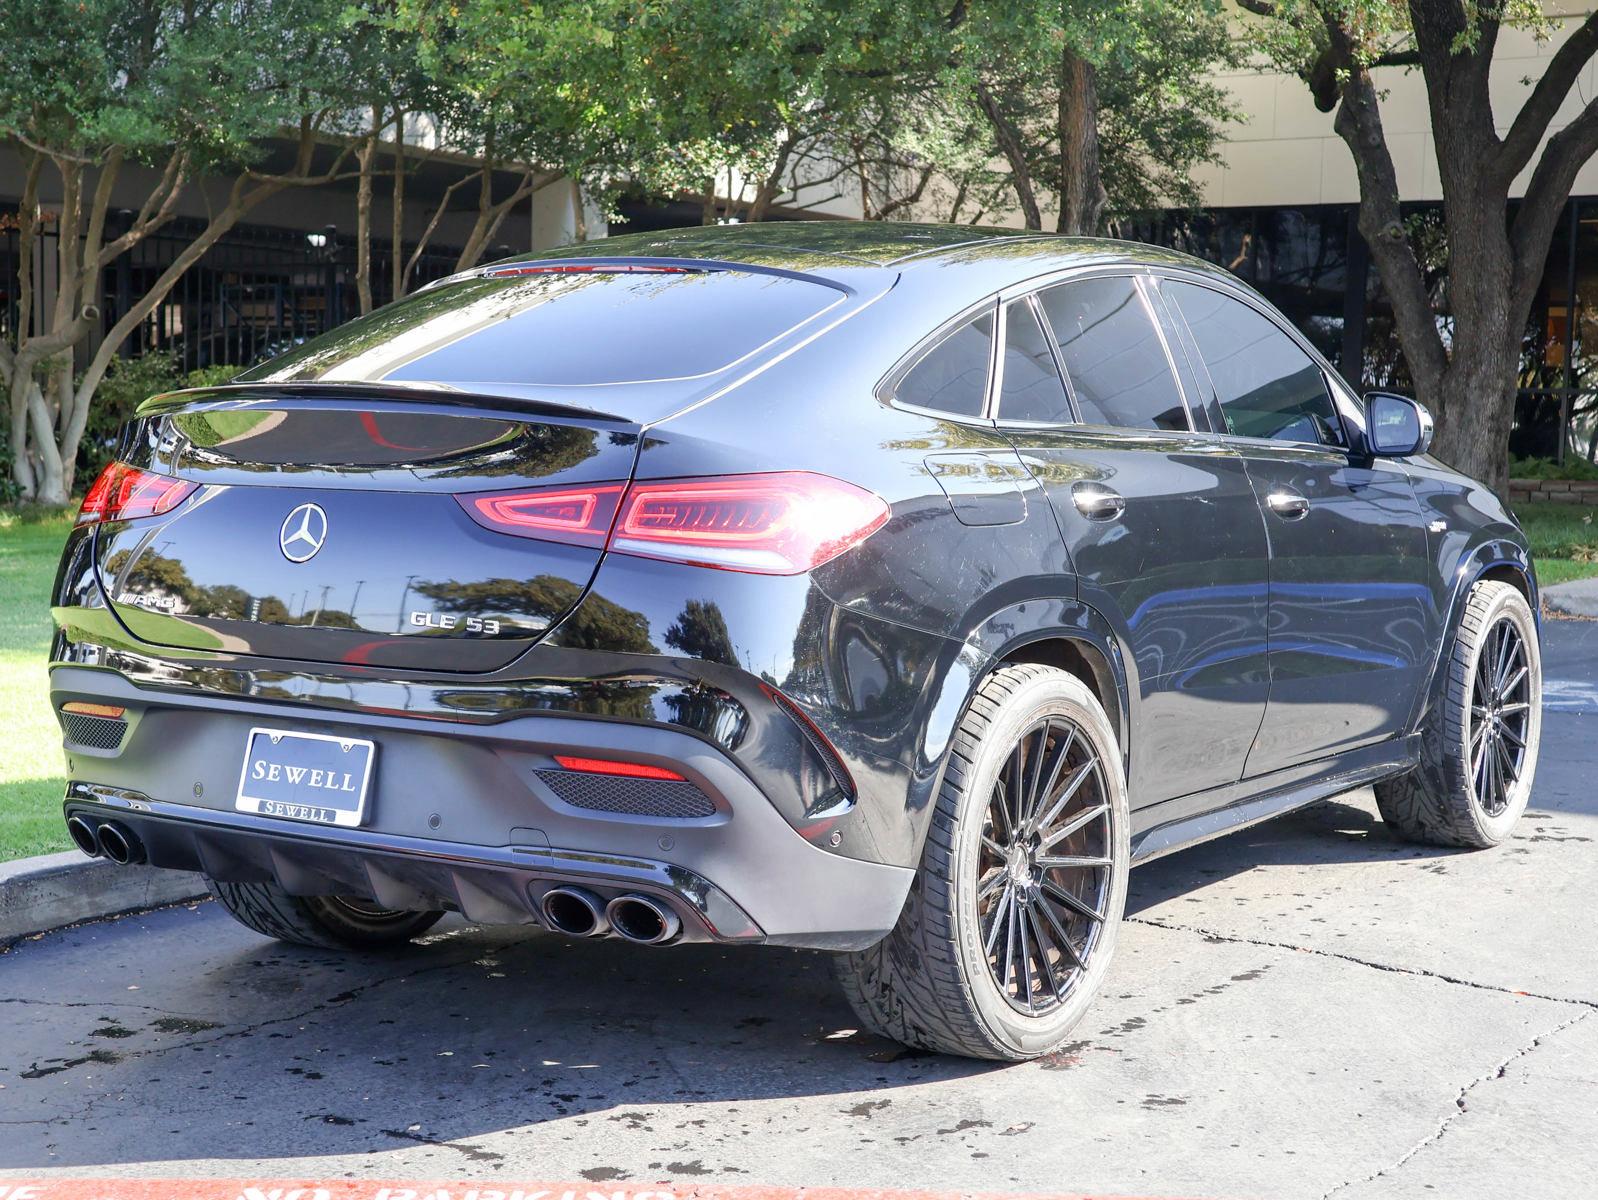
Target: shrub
<point>1546,468</point>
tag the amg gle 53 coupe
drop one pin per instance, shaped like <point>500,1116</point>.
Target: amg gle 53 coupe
<point>887,590</point>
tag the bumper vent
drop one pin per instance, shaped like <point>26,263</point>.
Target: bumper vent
<point>672,799</point>
<point>94,733</point>
<point>823,748</point>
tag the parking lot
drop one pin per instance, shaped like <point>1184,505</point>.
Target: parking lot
<point>1307,1009</point>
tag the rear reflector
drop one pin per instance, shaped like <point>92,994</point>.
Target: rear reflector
<point>781,523</point>
<point>611,766</point>
<point>84,708</point>
<point>124,493</point>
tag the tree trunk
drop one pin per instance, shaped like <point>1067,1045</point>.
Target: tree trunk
<point>366,158</point>
<point>397,236</point>
<point>1082,196</point>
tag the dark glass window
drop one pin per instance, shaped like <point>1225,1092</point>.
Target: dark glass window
<point>1032,389</point>
<point>1113,355</point>
<point>952,377</point>
<point>557,327</point>
<point>1268,387</point>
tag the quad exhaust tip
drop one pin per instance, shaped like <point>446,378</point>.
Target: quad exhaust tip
<point>643,920</point>
<point>119,845</point>
<point>82,834</point>
<point>576,912</point>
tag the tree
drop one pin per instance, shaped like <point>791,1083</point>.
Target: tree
<point>1464,366</point>
<point>183,87</point>
<point>1096,109</point>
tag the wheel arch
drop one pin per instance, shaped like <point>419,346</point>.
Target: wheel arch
<point>1497,559</point>
<point>1060,633</point>
<point>1079,656</point>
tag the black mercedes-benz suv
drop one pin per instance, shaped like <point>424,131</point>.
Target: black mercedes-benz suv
<point>884,589</point>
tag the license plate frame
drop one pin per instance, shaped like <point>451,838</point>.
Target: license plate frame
<point>313,788</point>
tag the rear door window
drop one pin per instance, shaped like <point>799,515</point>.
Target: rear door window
<point>1113,354</point>
<point>952,377</point>
<point>1267,385</point>
<point>1032,390</point>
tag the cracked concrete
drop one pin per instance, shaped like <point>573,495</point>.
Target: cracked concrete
<point>1306,1010</point>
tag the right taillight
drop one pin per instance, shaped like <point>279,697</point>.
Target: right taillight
<point>124,493</point>
<point>776,523</point>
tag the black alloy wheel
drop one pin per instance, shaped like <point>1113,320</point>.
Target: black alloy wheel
<point>1044,875</point>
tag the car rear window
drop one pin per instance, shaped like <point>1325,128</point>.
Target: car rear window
<point>555,326</point>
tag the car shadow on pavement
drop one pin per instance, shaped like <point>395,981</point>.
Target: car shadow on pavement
<point>189,1038</point>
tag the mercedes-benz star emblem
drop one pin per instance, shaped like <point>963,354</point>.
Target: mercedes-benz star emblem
<point>303,533</point>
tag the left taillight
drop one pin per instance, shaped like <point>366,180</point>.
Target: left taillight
<point>123,493</point>
<point>774,523</point>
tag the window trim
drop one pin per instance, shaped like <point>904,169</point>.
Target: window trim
<point>886,391</point>
<point>1030,299</point>
<point>1139,278</point>
<point>1242,295</point>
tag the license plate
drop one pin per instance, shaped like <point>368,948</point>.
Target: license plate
<point>305,777</point>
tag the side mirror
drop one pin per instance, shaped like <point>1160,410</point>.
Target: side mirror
<point>1396,426</point>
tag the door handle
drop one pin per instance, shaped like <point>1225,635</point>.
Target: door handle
<point>1097,502</point>
<point>1287,504</point>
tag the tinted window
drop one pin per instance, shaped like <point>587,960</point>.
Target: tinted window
<point>1113,356</point>
<point>952,377</point>
<point>1032,389</point>
<point>558,328</point>
<point>1268,387</point>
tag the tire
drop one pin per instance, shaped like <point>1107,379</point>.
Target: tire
<point>326,922</point>
<point>1462,794</point>
<point>930,983</point>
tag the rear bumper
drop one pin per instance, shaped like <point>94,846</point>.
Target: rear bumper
<point>462,816</point>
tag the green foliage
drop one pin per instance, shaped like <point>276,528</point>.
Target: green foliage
<point>128,384</point>
<point>1546,468</point>
<point>144,77</point>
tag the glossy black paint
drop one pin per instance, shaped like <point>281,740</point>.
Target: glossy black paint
<point>1248,662</point>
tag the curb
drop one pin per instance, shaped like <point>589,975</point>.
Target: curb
<point>53,890</point>
<point>1577,598</point>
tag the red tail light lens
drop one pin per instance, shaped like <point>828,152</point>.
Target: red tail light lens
<point>781,523</point>
<point>579,516</point>
<point>777,524</point>
<point>123,493</point>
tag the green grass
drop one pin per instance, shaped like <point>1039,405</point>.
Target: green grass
<point>1564,539</point>
<point>31,761</point>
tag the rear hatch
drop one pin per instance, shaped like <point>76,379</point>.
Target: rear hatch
<point>345,529</point>
<point>346,509</point>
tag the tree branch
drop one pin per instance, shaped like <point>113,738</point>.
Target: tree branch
<point>1359,124</point>
<point>1564,155</point>
<point>1014,153</point>
<point>1533,119</point>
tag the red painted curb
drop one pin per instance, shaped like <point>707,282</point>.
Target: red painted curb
<point>348,1189</point>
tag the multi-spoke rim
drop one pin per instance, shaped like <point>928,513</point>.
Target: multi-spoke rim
<point>1500,716</point>
<point>1045,868</point>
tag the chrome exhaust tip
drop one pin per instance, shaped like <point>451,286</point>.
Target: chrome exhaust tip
<point>576,912</point>
<point>119,845</point>
<point>642,920</point>
<point>82,834</point>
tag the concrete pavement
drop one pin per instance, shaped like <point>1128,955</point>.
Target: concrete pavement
<point>1307,1009</point>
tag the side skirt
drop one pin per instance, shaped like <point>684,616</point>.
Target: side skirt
<point>1250,801</point>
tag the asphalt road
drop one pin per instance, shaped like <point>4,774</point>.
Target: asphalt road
<point>1307,1009</point>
